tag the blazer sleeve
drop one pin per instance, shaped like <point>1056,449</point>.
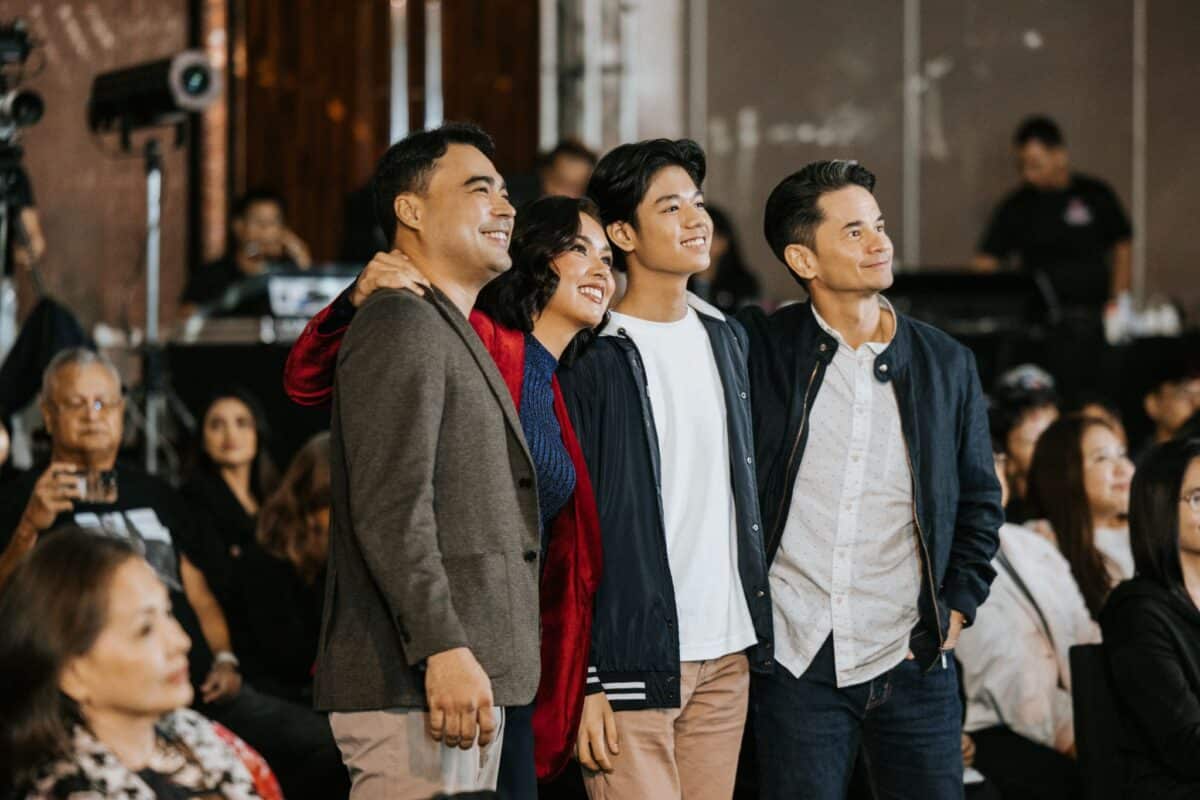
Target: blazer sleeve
<point>979,515</point>
<point>309,371</point>
<point>390,401</point>
<point>1150,681</point>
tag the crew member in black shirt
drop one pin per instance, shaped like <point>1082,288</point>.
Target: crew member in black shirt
<point>1070,232</point>
<point>1068,226</point>
<point>260,240</point>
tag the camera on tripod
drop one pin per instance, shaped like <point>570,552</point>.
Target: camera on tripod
<point>19,108</point>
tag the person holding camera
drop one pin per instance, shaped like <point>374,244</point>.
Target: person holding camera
<point>83,408</point>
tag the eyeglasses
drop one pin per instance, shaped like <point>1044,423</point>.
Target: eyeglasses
<point>1193,501</point>
<point>79,405</point>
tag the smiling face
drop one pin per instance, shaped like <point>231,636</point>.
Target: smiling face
<point>852,250</point>
<point>1107,472</point>
<point>230,433</point>
<point>673,230</point>
<point>585,280</point>
<point>138,665</point>
<point>464,217</point>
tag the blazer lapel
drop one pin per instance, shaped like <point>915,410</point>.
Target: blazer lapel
<point>490,371</point>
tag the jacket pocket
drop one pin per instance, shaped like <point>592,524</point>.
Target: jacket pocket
<point>479,587</point>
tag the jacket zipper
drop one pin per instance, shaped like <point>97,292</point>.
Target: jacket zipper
<point>933,598</point>
<point>778,533</point>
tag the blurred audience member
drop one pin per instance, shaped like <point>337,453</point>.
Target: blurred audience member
<point>231,476</point>
<point>1065,225</point>
<point>565,170</point>
<point>1103,409</point>
<point>728,283</point>
<point>1171,396</point>
<point>7,472</point>
<point>1023,405</point>
<point>1079,484</point>
<point>1016,666</point>
<point>83,409</point>
<point>1152,628</point>
<point>95,671</point>
<point>283,579</point>
<point>259,238</point>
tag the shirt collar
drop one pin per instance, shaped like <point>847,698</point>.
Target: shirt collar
<point>875,347</point>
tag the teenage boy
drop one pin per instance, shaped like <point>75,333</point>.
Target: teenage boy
<point>661,404</point>
<point>882,508</point>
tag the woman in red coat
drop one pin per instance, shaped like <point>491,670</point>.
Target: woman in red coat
<point>540,312</point>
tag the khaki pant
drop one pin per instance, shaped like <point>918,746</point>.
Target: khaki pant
<point>390,756</point>
<point>687,753</point>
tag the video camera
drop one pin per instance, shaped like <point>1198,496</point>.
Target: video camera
<point>19,108</point>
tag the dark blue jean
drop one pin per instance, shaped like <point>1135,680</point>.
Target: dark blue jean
<point>907,722</point>
<point>518,774</point>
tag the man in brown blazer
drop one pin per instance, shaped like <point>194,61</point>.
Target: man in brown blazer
<point>431,607</point>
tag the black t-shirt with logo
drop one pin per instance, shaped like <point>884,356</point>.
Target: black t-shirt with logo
<point>1065,234</point>
<point>149,514</point>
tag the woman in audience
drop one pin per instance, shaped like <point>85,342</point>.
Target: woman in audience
<point>96,688</point>
<point>231,475</point>
<point>1152,628</point>
<point>1079,484</point>
<point>282,580</point>
<point>1023,406</point>
<point>1016,666</point>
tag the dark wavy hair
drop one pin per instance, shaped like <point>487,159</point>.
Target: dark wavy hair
<point>1056,493</point>
<point>1154,513</point>
<point>544,230</point>
<point>52,609</point>
<point>264,475</point>
<point>285,526</point>
<point>622,178</point>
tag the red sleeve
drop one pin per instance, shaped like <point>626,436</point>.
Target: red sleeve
<point>308,374</point>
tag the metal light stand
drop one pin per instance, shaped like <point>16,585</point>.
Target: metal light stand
<point>152,371</point>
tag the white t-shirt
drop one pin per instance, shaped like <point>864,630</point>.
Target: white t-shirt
<point>687,399</point>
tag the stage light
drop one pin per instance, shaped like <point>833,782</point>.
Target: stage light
<point>155,93</point>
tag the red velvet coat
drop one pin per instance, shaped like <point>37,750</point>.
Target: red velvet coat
<point>571,573</point>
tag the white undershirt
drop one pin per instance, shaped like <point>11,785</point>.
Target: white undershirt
<point>697,490</point>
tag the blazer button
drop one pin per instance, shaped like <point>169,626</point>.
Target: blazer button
<point>531,555</point>
<point>525,483</point>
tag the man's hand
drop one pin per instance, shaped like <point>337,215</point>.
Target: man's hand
<point>597,741</point>
<point>956,626</point>
<point>223,683</point>
<point>459,694</point>
<point>392,270</point>
<point>296,249</point>
<point>54,493</point>
<point>968,750</point>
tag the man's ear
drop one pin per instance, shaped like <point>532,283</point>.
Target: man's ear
<point>622,235</point>
<point>410,210</point>
<point>801,260</point>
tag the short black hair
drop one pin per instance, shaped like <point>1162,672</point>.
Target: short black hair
<point>1154,515</point>
<point>793,213</point>
<point>1039,128</point>
<point>407,164</point>
<point>572,148</point>
<point>622,178</point>
<point>257,195</point>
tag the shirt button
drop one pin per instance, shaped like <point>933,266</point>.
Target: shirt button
<point>531,555</point>
<point>883,367</point>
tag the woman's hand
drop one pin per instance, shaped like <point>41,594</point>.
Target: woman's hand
<point>392,270</point>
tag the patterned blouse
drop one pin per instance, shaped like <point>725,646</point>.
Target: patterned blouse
<point>194,759</point>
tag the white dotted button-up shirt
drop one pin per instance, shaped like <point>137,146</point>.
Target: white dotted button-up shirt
<point>849,561</point>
